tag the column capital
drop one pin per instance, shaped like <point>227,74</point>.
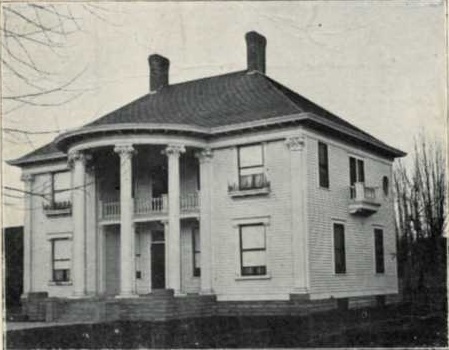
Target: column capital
<point>124,149</point>
<point>27,178</point>
<point>77,156</point>
<point>174,150</point>
<point>295,143</point>
<point>204,155</point>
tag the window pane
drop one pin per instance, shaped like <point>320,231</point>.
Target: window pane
<point>323,165</point>
<point>197,261</point>
<point>62,265</point>
<point>352,171</point>
<point>339,248</point>
<point>62,181</point>
<point>250,156</point>
<point>137,243</point>
<point>253,237</point>
<point>62,249</point>
<point>196,240</point>
<point>360,171</point>
<point>379,250</point>
<point>251,171</point>
<point>253,258</point>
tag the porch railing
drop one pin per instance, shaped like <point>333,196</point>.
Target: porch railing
<point>190,202</point>
<point>150,205</point>
<point>110,209</point>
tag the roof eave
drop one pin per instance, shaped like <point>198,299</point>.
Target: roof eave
<point>37,159</point>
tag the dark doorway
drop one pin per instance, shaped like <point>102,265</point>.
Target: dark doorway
<point>158,261</point>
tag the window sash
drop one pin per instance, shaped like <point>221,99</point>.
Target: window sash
<point>196,247</point>
<point>250,156</point>
<point>61,183</point>
<point>253,259</point>
<point>323,165</point>
<point>356,170</point>
<point>379,251</point>
<point>253,237</point>
<point>251,167</point>
<point>339,249</point>
<point>61,259</point>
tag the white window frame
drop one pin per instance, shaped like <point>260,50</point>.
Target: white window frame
<point>236,223</point>
<point>340,222</point>
<point>51,237</point>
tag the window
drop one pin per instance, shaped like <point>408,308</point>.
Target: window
<point>252,250</point>
<point>251,167</point>
<point>379,250</point>
<point>339,248</point>
<point>196,243</point>
<point>385,185</point>
<point>356,170</point>
<point>323,165</point>
<point>137,247</point>
<point>61,257</point>
<point>60,194</point>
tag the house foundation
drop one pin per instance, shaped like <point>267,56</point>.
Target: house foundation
<point>164,306</point>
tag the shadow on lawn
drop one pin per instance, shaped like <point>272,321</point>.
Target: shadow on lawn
<point>391,326</point>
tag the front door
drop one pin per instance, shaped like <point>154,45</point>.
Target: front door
<point>112,261</point>
<point>158,260</point>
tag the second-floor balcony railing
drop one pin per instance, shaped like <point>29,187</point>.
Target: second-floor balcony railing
<point>110,209</point>
<point>363,199</point>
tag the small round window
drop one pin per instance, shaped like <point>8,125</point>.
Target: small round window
<point>385,185</point>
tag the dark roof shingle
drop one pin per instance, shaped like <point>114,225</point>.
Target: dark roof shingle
<point>217,101</point>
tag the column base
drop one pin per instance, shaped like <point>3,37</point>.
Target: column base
<point>127,296</point>
<point>207,292</point>
<point>78,296</point>
<point>178,293</point>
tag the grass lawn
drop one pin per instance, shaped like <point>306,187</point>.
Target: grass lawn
<point>388,327</point>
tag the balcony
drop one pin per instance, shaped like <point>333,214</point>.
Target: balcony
<point>147,208</point>
<point>58,208</point>
<point>250,185</point>
<point>363,199</point>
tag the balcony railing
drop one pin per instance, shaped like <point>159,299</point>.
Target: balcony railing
<point>144,206</point>
<point>110,209</point>
<point>254,184</point>
<point>58,208</point>
<point>190,202</point>
<point>363,199</point>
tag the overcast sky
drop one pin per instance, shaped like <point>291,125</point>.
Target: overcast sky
<point>379,65</point>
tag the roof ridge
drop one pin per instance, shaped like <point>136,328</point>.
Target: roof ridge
<point>278,91</point>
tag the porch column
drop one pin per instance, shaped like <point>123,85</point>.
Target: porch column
<point>77,162</point>
<point>298,181</point>
<point>127,273</point>
<point>27,235</point>
<point>204,158</point>
<point>174,240</point>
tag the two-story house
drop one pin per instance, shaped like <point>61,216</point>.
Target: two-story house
<point>205,197</point>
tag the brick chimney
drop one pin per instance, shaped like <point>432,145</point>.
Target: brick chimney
<point>255,48</point>
<point>159,66</point>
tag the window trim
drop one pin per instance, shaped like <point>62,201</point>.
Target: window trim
<point>357,160</point>
<point>196,271</point>
<point>52,256</point>
<point>242,251</point>
<point>385,186</point>
<point>334,264</point>
<point>326,186</point>
<point>239,167</point>
<point>53,207</point>
<point>376,271</point>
